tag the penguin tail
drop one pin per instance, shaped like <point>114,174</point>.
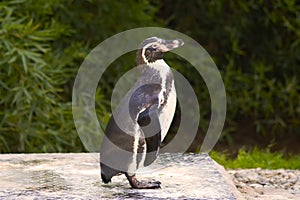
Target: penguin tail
<point>107,173</point>
<point>105,179</point>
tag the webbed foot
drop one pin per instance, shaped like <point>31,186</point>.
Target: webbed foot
<point>142,184</point>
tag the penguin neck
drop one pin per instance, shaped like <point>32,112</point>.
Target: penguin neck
<point>158,72</point>
<point>159,67</point>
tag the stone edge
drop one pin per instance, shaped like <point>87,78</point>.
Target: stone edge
<point>238,195</point>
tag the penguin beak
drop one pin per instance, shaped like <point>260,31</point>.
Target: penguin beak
<point>168,45</point>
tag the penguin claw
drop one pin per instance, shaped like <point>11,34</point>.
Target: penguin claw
<point>153,182</point>
<point>142,184</point>
<point>148,185</point>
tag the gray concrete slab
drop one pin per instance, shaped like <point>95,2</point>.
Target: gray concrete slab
<point>77,176</point>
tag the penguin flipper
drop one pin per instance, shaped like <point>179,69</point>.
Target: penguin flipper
<point>148,121</point>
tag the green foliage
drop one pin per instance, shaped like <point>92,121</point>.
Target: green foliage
<point>257,158</point>
<point>42,44</point>
<point>256,46</point>
<point>34,116</point>
<point>273,105</point>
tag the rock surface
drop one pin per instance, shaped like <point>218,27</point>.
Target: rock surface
<point>267,184</point>
<point>77,176</point>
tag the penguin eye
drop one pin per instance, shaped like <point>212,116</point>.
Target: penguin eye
<point>154,46</point>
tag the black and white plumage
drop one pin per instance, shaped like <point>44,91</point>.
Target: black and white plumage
<point>139,124</point>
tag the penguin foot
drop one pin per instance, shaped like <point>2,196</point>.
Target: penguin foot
<point>142,184</point>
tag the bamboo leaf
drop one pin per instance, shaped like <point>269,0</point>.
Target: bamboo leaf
<point>24,62</point>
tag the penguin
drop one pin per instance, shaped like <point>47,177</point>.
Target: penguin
<point>139,124</point>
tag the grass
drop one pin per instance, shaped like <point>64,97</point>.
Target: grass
<point>257,158</point>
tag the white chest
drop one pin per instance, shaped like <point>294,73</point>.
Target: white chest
<point>168,110</point>
<point>167,113</point>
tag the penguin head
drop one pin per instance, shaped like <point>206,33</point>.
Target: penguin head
<point>153,48</point>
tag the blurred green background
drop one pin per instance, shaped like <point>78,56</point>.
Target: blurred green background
<point>255,44</point>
